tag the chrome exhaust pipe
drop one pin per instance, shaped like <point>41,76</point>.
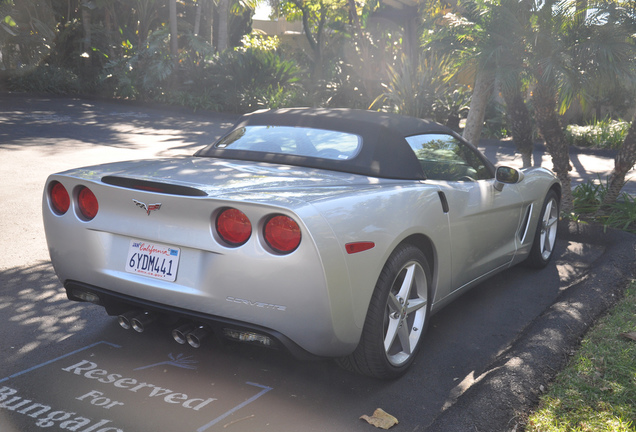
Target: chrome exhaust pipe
<point>196,336</point>
<point>180,334</point>
<point>141,321</point>
<point>125,319</point>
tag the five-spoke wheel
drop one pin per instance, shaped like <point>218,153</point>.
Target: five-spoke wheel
<point>397,316</point>
<point>405,313</point>
<point>545,237</point>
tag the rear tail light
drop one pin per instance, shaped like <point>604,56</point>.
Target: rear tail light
<point>87,203</point>
<point>60,200</point>
<point>233,226</point>
<point>282,234</point>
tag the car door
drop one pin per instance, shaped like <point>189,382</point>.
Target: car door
<point>483,221</point>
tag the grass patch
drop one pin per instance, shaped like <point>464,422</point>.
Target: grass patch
<point>597,390</point>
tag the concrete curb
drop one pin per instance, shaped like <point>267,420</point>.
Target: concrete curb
<point>509,388</point>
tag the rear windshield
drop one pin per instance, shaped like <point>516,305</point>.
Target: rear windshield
<point>297,141</point>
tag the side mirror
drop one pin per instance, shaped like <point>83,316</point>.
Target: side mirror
<point>507,175</point>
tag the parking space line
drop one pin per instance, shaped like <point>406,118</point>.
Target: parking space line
<point>58,358</point>
<point>238,407</point>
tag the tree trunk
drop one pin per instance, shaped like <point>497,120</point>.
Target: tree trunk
<point>86,25</point>
<point>197,19</point>
<point>210,15</point>
<point>174,43</point>
<point>520,125</point>
<point>544,98</point>
<point>366,70</point>
<point>624,161</point>
<point>87,42</point>
<point>223,36</point>
<point>108,24</point>
<point>484,83</point>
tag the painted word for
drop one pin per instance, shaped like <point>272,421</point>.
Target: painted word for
<point>97,398</point>
<point>46,417</point>
<point>89,370</point>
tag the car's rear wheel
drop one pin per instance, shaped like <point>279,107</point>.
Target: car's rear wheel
<point>397,316</point>
<point>545,237</point>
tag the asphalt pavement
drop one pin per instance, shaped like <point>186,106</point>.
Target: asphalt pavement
<point>486,357</point>
<point>509,388</point>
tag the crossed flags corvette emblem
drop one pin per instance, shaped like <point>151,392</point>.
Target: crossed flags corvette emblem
<point>147,207</point>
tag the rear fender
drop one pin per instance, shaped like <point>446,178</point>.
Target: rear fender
<point>386,218</point>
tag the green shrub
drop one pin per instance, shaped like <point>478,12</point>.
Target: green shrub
<point>607,134</point>
<point>588,198</point>
<point>204,99</point>
<point>257,41</point>
<point>495,122</point>
<point>44,79</point>
<point>141,73</point>
<point>255,78</point>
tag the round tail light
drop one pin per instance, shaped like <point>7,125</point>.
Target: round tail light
<point>87,203</point>
<point>233,226</point>
<point>282,234</point>
<point>60,200</point>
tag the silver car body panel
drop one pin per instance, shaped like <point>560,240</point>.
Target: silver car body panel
<point>318,295</point>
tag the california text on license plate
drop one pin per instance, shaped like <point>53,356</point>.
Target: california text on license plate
<point>154,260</point>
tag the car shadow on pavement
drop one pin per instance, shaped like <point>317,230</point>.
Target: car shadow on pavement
<point>462,341</point>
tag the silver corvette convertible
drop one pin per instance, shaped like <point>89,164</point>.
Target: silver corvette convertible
<point>328,232</point>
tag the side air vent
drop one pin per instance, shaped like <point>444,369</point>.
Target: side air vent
<point>150,186</point>
<point>523,230</point>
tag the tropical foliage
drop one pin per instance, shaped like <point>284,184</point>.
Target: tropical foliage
<point>453,61</point>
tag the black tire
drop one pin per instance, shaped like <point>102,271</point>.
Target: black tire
<point>391,318</point>
<point>545,236</point>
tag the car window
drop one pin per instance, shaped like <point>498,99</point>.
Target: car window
<point>298,141</point>
<point>444,157</point>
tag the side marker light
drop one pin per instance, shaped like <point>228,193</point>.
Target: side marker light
<point>356,247</point>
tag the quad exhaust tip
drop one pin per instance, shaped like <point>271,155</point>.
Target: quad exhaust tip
<point>140,322</point>
<point>197,335</point>
<point>180,334</point>
<point>125,319</point>
<point>137,320</point>
<point>191,333</point>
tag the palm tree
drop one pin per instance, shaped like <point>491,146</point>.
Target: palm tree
<point>463,35</point>
<point>510,29</point>
<point>482,92</point>
<point>617,28</point>
<point>501,51</point>
<point>489,39</point>
<point>552,61</point>
<point>568,52</point>
<point>624,161</point>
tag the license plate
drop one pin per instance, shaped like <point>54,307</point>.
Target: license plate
<point>153,260</point>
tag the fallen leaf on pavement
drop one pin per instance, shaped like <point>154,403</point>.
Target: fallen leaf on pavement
<point>631,335</point>
<point>380,419</point>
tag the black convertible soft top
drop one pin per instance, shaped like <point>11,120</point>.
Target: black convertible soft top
<point>385,152</point>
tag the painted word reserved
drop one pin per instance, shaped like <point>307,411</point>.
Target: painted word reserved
<point>90,370</point>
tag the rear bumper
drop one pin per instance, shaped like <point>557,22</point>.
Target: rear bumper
<point>306,295</point>
<point>116,304</point>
